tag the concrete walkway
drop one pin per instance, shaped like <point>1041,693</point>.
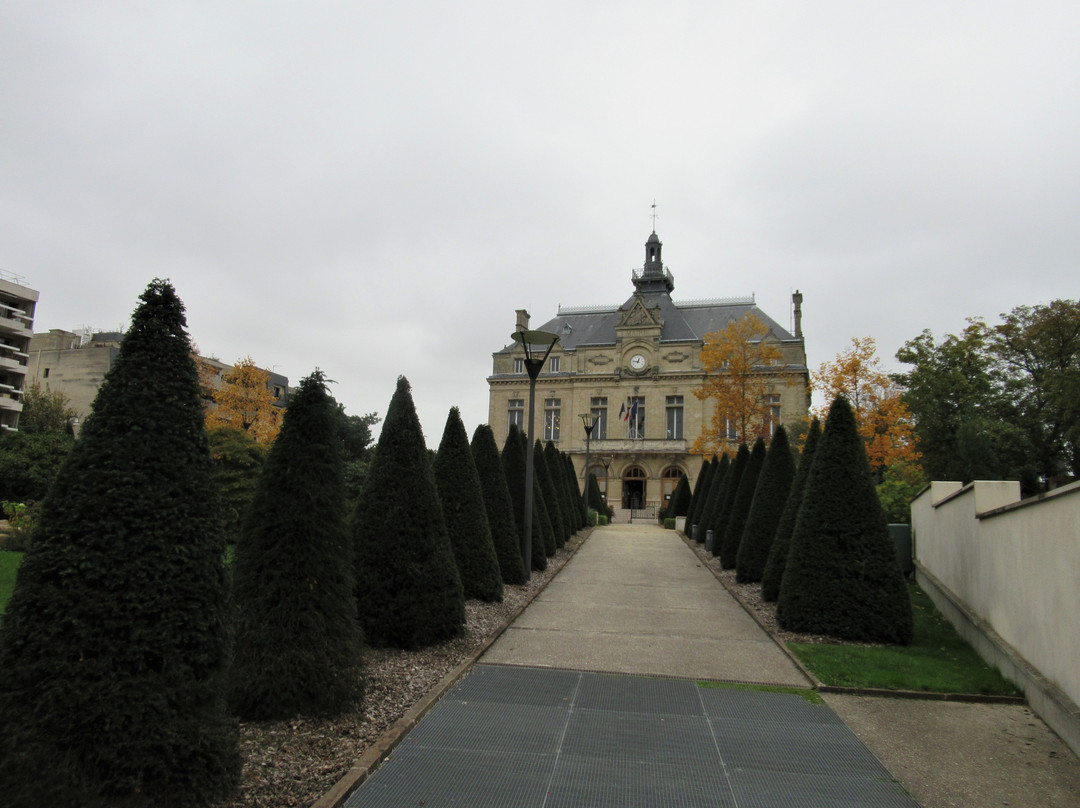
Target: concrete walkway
<point>570,707</point>
<point>635,600</point>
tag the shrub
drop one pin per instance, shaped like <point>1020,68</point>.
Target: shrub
<point>466,518</point>
<point>771,493</point>
<point>842,577</point>
<point>740,506</point>
<point>513,460</point>
<point>559,531</point>
<point>115,644</point>
<point>407,585</point>
<point>669,523</point>
<point>499,507</point>
<point>778,553</point>
<point>293,567</point>
<point>22,518</point>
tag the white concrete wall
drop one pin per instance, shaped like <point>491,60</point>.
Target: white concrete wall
<point>1014,565</point>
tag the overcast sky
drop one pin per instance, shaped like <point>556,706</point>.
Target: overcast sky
<point>372,188</point>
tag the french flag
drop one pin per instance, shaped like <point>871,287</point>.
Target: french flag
<point>622,412</point>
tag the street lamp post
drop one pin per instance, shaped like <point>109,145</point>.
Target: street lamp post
<point>589,420</point>
<point>533,342</point>
<point>607,461</point>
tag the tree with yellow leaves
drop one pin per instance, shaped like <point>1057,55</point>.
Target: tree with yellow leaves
<point>245,402</point>
<point>882,418</point>
<point>736,361</point>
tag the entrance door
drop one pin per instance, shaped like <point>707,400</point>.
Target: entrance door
<point>633,487</point>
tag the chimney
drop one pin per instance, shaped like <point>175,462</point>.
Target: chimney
<point>796,300</point>
<point>522,321</point>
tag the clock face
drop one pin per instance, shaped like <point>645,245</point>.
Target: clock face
<point>637,362</point>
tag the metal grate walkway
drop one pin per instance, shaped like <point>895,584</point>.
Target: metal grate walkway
<point>505,737</point>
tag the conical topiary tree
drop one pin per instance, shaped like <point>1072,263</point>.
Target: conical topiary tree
<point>559,532</point>
<point>499,506</point>
<point>842,578</point>
<point>728,486</point>
<point>596,498</point>
<point>466,518</point>
<point>701,486</point>
<point>299,648</point>
<point>578,495</point>
<point>778,553</point>
<point>740,506</point>
<point>771,493</point>
<point>407,585</point>
<point>553,458</point>
<point>115,644</point>
<point>680,499</point>
<point>513,460</point>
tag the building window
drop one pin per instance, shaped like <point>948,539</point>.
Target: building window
<point>519,365</point>
<point>674,417</point>
<point>670,482</point>
<point>46,374</point>
<point>635,417</point>
<point>552,418</point>
<point>772,413</point>
<point>554,364</point>
<point>599,411</point>
<point>731,431</point>
<point>515,413</point>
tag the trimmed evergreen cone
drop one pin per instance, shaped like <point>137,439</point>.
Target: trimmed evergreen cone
<point>466,518</point>
<point>299,648</point>
<point>680,499</point>
<point>407,585</point>
<point>842,578</point>
<point>551,498</point>
<point>723,496</point>
<point>115,644</point>
<point>740,507</point>
<point>701,486</point>
<point>578,498</point>
<point>771,493</point>
<point>778,553</point>
<point>513,460</point>
<point>557,470</point>
<point>500,508</point>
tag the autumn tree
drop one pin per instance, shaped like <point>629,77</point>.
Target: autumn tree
<point>736,362</point>
<point>881,416</point>
<point>45,410</point>
<point>245,401</point>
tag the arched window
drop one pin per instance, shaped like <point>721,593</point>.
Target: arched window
<point>670,481</point>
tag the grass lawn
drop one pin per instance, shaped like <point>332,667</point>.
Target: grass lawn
<point>937,660</point>
<point>9,564</point>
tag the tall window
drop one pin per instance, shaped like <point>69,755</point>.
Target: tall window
<point>674,417</point>
<point>554,364</point>
<point>519,365</point>
<point>635,417</point>
<point>772,412</point>
<point>515,413</point>
<point>552,418</point>
<point>670,482</point>
<point>599,411</point>
<point>731,430</point>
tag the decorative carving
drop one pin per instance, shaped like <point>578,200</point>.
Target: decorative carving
<point>600,360</point>
<point>675,357</point>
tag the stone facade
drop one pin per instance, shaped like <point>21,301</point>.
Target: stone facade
<point>635,367</point>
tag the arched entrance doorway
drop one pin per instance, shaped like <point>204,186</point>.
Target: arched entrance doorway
<point>633,488</point>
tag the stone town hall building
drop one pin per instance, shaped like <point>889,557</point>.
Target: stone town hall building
<point>635,367</point>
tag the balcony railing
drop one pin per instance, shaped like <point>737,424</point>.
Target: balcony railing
<point>636,445</point>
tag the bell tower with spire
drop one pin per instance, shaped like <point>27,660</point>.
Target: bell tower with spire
<point>653,277</point>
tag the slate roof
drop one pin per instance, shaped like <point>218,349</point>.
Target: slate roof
<point>682,322</point>
<point>686,321</point>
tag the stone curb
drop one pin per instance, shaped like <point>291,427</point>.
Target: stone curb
<point>821,687</point>
<point>375,754</point>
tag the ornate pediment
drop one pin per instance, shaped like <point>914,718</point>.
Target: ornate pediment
<point>638,315</point>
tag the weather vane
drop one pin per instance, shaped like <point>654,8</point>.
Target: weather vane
<point>654,215</point>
